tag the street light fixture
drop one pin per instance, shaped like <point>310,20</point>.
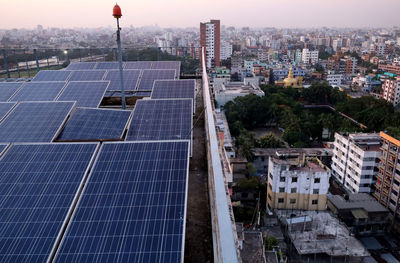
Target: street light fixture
<point>117,14</point>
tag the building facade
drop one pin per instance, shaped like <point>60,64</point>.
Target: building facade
<point>296,183</point>
<point>355,161</point>
<point>210,39</point>
<point>309,57</point>
<point>391,90</point>
<point>226,50</point>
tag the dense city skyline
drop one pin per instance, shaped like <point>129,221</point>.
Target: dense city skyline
<point>274,13</point>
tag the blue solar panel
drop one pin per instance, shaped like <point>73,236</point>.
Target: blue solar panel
<point>5,107</point>
<point>2,148</point>
<point>87,75</point>
<point>8,89</point>
<point>149,76</point>
<point>108,65</point>
<point>174,89</point>
<point>81,65</point>
<point>168,65</point>
<point>52,75</point>
<point>95,124</point>
<point>161,120</point>
<point>38,185</point>
<point>133,207</point>
<point>34,121</point>
<point>86,93</point>
<point>39,91</point>
<point>131,78</point>
<point>138,65</point>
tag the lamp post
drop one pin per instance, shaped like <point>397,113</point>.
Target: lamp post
<point>117,14</point>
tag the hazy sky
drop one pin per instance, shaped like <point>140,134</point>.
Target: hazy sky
<point>187,13</point>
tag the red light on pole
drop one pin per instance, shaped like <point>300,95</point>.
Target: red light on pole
<point>117,11</point>
<point>117,14</point>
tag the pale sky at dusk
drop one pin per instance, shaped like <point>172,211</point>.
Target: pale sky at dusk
<point>188,13</point>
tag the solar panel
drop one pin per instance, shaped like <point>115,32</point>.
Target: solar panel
<point>161,120</point>
<point>167,89</point>
<point>149,76</point>
<point>168,65</point>
<point>38,185</point>
<point>81,65</point>
<point>52,75</point>
<point>34,121</point>
<point>39,91</point>
<point>138,65</point>
<point>87,75</point>
<point>133,207</point>
<point>131,78</point>
<point>8,89</point>
<point>86,93</point>
<point>95,124</point>
<point>5,108</point>
<point>2,148</point>
<point>108,65</point>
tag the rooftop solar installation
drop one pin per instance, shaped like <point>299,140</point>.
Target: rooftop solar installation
<point>5,107</point>
<point>166,89</point>
<point>52,75</point>
<point>130,76</point>
<point>87,75</point>
<point>161,120</point>
<point>38,185</point>
<point>149,76</point>
<point>2,148</point>
<point>138,65</point>
<point>86,93</point>
<point>39,91</point>
<point>133,206</point>
<point>108,65</point>
<point>34,121</point>
<point>81,65</point>
<point>8,89</point>
<point>87,124</point>
<point>167,65</point>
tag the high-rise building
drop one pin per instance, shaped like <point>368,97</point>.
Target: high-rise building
<point>355,160</point>
<point>388,181</point>
<point>391,90</point>
<point>210,40</point>
<point>226,50</point>
<point>309,57</point>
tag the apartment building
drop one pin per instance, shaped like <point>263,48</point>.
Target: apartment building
<point>388,181</point>
<point>210,39</point>
<point>391,90</point>
<point>297,183</point>
<point>309,57</point>
<point>355,160</point>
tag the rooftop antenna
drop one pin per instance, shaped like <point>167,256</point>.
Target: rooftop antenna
<point>117,14</point>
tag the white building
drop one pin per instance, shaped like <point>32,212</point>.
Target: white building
<point>334,80</point>
<point>226,50</point>
<point>296,183</point>
<point>391,91</point>
<point>227,91</point>
<point>309,57</point>
<point>355,160</point>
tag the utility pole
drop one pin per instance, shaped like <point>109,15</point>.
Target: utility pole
<point>117,14</point>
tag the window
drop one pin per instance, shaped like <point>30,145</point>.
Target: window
<point>270,176</point>
<point>293,190</point>
<point>314,202</point>
<point>292,201</point>
<point>281,200</point>
<point>316,191</point>
<point>282,179</point>
<point>317,180</point>
<point>294,179</point>
<point>281,189</point>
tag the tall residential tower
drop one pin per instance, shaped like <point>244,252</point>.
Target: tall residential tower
<point>210,39</point>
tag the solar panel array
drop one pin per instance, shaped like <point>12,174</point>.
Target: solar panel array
<point>107,65</point>
<point>131,78</point>
<point>95,124</point>
<point>167,65</point>
<point>8,89</point>
<point>81,65</point>
<point>87,75</point>
<point>39,91</point>
<point>85,93</point>
<point>132,208</point>
<point>34,121</point>
<point>5,107</point>
<point>161,120</point>
<point>52,75</point>
<point>174,89</point>
<point>38,185</point>
<point>138,65</point>
<point>149,76</point>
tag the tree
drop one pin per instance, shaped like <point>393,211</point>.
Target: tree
<point>269,141</point>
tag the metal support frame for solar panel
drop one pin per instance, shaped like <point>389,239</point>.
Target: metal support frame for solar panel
<point>146,91</point>
<point>63,94</point>
<point>108,65</point>
<point>9,89</point>
<point>135,123</point>
<point>176,166</point>
<point>29,96</point>
<point>5,109</point>
<point>50,216</point>
<point>115,81</point>
<point>9,125</point>
<point>65,74</point>
<point>166,95</point>
<point>88,75</point>
<point>81,66</point>
<point>71,118</point>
